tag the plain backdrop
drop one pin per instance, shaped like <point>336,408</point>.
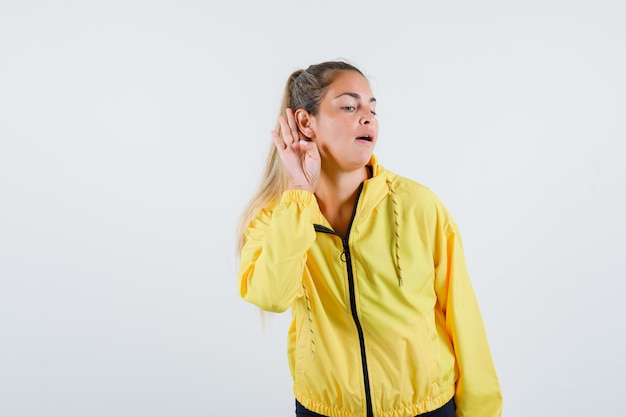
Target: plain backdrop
<point>132,133</point>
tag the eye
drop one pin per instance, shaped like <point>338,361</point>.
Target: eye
<point>373,112</point>
<point>349,108</point>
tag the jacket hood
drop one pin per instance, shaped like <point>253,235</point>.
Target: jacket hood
<point>383,186</point>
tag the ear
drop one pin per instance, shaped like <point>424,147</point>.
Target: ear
<point>305,123</point>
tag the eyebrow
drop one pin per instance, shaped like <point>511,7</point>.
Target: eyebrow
<point>356,96</point>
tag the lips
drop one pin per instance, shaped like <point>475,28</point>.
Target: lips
<point>366,135</point>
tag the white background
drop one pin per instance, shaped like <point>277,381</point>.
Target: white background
<point>132,133</point>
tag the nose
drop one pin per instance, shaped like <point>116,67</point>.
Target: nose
<point>366,117</point>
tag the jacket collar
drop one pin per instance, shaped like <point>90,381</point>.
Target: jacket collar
<point>375,189</point>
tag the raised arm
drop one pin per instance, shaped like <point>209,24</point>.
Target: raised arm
<point>274,254</point>
<point>273,257</point>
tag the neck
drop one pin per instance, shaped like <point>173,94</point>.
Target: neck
<point>337,188</point>
<point>336,197</point>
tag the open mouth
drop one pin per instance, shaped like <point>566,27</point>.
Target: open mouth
<point>367,138</point>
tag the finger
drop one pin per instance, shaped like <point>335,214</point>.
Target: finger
<point>293,127</point>
<point>278,142</point>
<point>288,138</point>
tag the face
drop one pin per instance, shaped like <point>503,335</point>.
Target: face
<point>345,128</point>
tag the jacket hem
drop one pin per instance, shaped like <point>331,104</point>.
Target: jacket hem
<point>424,406</point>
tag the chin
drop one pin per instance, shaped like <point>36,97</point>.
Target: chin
<point>365,158</point>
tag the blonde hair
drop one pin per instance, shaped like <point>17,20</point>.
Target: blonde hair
<point>304,90</point>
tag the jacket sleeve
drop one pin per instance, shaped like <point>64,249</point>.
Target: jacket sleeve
<point>273,257</point>
<point>478,391</point>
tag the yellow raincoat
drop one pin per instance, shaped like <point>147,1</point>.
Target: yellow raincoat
<point>385,322</point>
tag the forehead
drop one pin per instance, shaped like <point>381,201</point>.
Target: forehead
<point>350,82</point>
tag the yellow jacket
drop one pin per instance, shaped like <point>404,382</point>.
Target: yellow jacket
<point>385,323</point>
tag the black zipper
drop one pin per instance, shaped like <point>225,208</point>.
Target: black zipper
<point>345,256</point>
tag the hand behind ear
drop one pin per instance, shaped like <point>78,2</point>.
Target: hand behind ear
<point>299,154</point>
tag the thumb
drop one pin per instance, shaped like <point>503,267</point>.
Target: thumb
<point>308,147</point>
<point>305,145</point>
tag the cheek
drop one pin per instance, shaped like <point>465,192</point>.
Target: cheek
<point>330,128</point>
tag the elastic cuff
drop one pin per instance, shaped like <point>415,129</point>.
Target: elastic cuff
<point>298,196</point>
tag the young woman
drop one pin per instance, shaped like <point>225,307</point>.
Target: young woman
<point>385,320</point>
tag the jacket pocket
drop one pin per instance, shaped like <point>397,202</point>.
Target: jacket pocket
<point>305,341</point>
